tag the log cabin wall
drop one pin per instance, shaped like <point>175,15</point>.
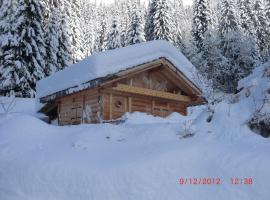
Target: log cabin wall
<point>116,104</point>
<point>82,107</point>
<point>93,105</point>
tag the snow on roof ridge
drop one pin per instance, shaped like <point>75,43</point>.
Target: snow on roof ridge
<point>112,61</point>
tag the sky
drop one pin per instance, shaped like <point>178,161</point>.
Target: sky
<point>186,2</point>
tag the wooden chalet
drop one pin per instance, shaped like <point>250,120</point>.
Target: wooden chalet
<point>155,86</point>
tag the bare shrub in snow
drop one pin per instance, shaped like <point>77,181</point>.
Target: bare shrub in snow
<point>260,123</point>
<point>188,129</point>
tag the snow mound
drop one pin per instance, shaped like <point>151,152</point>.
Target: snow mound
<point>257,87</point>
<point>112,61</point>
<point>17,105</point>
<point>126,161</point>
<point>231,116</point>
<point>144,118</point>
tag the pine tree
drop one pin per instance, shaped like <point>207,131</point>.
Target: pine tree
<point>12,74</point>
<point>178,22</point>
<point>52,40</point>
<point>76,30</point>
<point>113,38</point>
<point>135,33</point>
<point>237,49</point>
<point>267,9</point>
<point>100,39</point>
<point>213,60</point>
<point>246,17</point>
<point>228,21</point>
<point>64,54</point>
<point>159,21</point>
<point>149,24</point>
<point>90,17</point>
<point>260,28</point>
<point>30,47</point>
<point>200,22</point>
<point>267,15</point>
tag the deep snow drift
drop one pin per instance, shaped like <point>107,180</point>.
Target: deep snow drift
<point>128,161</point>
<point>143,158</point>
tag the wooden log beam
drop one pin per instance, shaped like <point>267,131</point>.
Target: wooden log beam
<point>129,104</point>
<point>150,93</point>
<point>110,107</point>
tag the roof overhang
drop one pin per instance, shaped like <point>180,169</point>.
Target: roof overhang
<point>169,68</point>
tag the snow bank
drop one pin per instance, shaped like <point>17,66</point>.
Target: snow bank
<point>144,118</point>
<point>232,114</point>
<point>112,61</point>
<point>17,105</point>
<point>127,161</point>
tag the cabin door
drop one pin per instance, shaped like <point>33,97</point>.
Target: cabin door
<point>119,106</point>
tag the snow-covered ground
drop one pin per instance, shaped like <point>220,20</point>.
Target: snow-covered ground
<point>143,158</point>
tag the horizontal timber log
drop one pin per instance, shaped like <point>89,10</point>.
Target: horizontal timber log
<point>150,93</point>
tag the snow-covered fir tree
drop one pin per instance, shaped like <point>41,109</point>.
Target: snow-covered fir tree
<point>89,15</point>
<point>11,72</point>
<point>64,55</point>
<point>260,29</point>
<point>30,46</point>
<point>212,61</point>
<point>178,23</point>
<point>52,40</point>
<point>159,24</point>
<point>135,33</point>
<point>100,39</point>
<point>267,9</point>
<point>246,17</point>
<point>237,49</point>
<point>267,15</point>
<point>113,38</point>
<point>149,23</point>
<point>227,21</point>
<point>76,31</point>
<point>200,22</point>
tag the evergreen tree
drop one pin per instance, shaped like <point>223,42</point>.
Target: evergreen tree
<point>113,38</point>
<point>76,30</point>
<point>100,40</point>
<point>237,49</point>
<point>149,24</point>
<point>267,9</point>
<point>246,17</point>
<point>30,47</point>
<point>64,53</point>
<point>178,21</point>
<point>228,21</point>
<point>159,21</point>
<point>52,40</point>
<point>135,33</point>
<point>260,28</point>
<point>200,22</point>
<point>90,17</point>
<point>12,74</point>
<point>267,15</point>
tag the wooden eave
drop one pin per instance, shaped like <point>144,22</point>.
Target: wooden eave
<point>167,68</point>
<point>48,107</point>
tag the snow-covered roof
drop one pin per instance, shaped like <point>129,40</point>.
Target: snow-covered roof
<point>112,61</point>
